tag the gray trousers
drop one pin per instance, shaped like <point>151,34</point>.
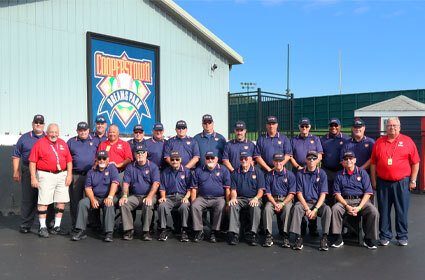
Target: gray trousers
<point>76,192</point>
<point>173,202</point>
<point>369,214</point>
<point>134,202</point>
<point>108,214</point>
<point>324,213</point>
<point>216,203</point>
<point>254,215</point>
<point>283,217</point>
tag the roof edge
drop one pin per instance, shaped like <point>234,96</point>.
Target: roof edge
<point>197,28</point>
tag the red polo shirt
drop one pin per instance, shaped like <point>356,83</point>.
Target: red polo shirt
<point>117,152</point>
<point>44,152</point>
<point>402,152</point>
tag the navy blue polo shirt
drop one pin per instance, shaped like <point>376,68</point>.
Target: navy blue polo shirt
<point>247,183</point>
<point>357,183</point>
<point>362,149</point>
<point>210,142</point>
<point>96,139</point>
<point>233,149</point>
<point>133,144</point>
<point>312,183</point>
<point>267,146</point>
<point>176,181</point>
<point>211,183</point>
<point>100,181</point>
<point>83,153</point>
<point>301,145</point>
<point>280,183</point>
<point>188,148</point>
<point>155,151</point>
<point>24,145</point>
<point>332,146</point>
<point>141,178</point>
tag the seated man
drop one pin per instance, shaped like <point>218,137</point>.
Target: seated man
<point>141,181</point>
<point>210,189</point>
<point>280,191</point>
<point>312,187</point>
<point>175,193</point>
<point>352,190</point>
<point>101,186</point>
<point>247,188</point>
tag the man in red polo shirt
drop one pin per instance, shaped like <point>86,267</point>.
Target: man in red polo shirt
<point>393,171</point>
<point>119,151</point>
<point>49,159</point>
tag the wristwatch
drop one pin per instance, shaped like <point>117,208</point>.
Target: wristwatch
<point>413,181</point>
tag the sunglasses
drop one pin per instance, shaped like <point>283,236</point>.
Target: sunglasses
<point>209,158</point>
<point>141,152</point>
<point>138,132</point>
<point>207,122</point>
<point>348,158</point>
<point>304,126</point>
<point>175,159</point>
<point>102,158</point>
<point>38,122</point>
<point>181,128</point>
<point>244,159</point>
<point>311,158</point>
<point>333,125</point>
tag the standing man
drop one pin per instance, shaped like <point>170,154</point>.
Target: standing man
<point>210,189</point>
<point>22,152</point>
<point>99,135</point>
<point>247,189</point>
<point>49,159</point>
<point>233,148</point>
<point>140,184</point>
<point>155,146</point>
<point>138,137</point>
<point>393,171</point>
<point>175,194</point>
<point>280,192</point>
<point>270,143</point>
<point>83,151</point>
<point>209,140</point>
<point>187,146</point>
<point>312,188</point>
<point>101,186</point>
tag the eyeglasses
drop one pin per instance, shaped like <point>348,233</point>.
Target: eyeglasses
<point>102,158</point>
<point>175,159</point>
<point>209,158</point>
<point>392,125</point>
<point>38,122</point>
<point>348,158</point>
<point>138,132</point>
<point>304,126</point>
<point>140,152</point>
<point>311,158</point>
<point>333,125</point>
<point>244,159</point>
<point>207,122</point>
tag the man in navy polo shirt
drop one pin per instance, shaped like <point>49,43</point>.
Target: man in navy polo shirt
<point>187,146</point>
<point>138,137</point>
<point>101,186</point>
<point>209,140</point>
<point>140,184</point>
<point>280,191</point>
<point>99,135</point>
<point>352,190</point>
<point>83,151</point>
<point>210,189</point>
<point>234,147</point>
<point>175,194</point>
<point>155,145</point>
<point>247,189</point>
<point>312,188</point>
<point>270,143</point>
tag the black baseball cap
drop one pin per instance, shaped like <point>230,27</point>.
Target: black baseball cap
<point>138,127</point>
<point>334,121</point>
<point>240,125</point>
<point>175,154</point>
<point>210,154</point>
<point>304,121</point>
<point>100,119</point>
<point>349,154</point>
<point>271,119</point>
<point>102,153</point>
<point>207,118</point>
<point>181,124</point>
<point>82,125</point>
<point>158,126</point>
<point>278,156</point>
<point>140,148</point>
<point>38,118</point>
<point>312,153</point>
<point>358,123</point>
<point>245,154</point>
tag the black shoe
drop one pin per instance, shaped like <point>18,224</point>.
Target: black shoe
<point>324,244</point>
<point>368,243</point>
<point>268,242</point>
<point>298,245</point>
<point>79,235</point>
<point>57,231</point>
<point>233,238</point>
<point>184,237</point>
<point>286,243</point>
<point>24,229</point>
<point>198,236</point>
<point>253,240</point>
<point>338,242</point>
<point>146,236</point>
<point>108,237</point>
<point>43,232</point>
<point>163,236</point>
<point>128,235</point>
<point>212,238</point>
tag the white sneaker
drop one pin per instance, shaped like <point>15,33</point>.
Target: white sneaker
<point>384,242</point>
<point>403,243</point>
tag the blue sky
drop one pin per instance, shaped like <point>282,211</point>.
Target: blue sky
<point>382,43</point>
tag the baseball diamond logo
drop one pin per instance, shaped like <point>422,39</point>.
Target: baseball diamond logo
<point>124,86</point>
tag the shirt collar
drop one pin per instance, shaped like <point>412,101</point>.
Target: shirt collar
<point>345,171</point>
<point>251,169</point>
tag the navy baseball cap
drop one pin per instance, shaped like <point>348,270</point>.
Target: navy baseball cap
<point>334,121</point>
<point>181,124</point>
<point>240,125</point>
<point>158,126</point>
<point>245,154</point>
<point>82,125</point>
<point>278,156</point>
<point>138,127</point>
<point>38,118</point>
<point>271,119</point>
<point>140,148</point>
<point>304,121</point>
<point>207,118</point>
<point>100,119</point>
<point>102,154</point>
<point>210,154</point>
<point>358,123</point>
<point>312,153</point>
<point>349,154</point>
<point>175,154</point>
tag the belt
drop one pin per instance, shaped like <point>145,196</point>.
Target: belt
<point>311,201</point>
<point>351,196</point>
<point>54,172</point>
<point>83,173</point>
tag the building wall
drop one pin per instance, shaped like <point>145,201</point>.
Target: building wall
<point>43,58</point>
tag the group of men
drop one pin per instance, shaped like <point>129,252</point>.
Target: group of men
<point>184,176</point>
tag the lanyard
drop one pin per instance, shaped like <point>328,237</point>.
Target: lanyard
<point>395,147</point>
<point>57,156</point>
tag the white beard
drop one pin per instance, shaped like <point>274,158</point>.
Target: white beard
<point>102,165</point>
<point>210,165</point>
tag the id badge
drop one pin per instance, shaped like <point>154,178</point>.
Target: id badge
<point>58,167</point>
<point>108,148</point>
<point>390,161</point>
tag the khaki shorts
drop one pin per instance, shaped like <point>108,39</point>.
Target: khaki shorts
<point>52,188</point>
